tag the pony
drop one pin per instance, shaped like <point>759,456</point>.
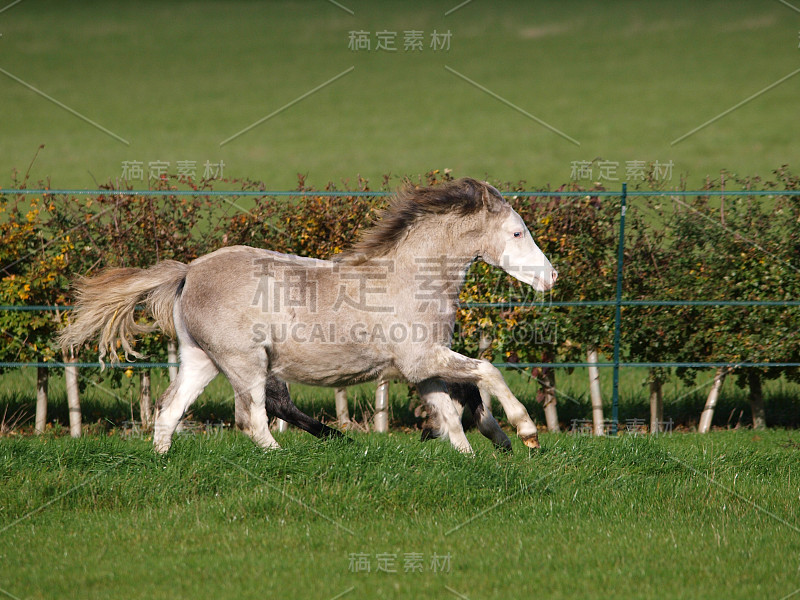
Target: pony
<point>385,308</point>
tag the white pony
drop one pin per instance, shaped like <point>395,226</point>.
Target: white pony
<point>384,309</point>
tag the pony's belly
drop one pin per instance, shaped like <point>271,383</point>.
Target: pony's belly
<point>336,369</point>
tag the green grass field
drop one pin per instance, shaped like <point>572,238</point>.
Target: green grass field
<point>175,79</point>
<point>674,517</point>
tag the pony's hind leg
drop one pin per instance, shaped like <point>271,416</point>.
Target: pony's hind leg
<point>434,427</point>
<point>242,413</point>
<point>469,395</point>
<point>257,423</point>
<point>194,374</point>
<point>248,378</point>
<point>434,393</point>
<point>443,362</point>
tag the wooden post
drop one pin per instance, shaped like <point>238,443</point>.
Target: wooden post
<point>342,412</point>
<point>172,356</point>
<point>549,403</point>
<point>656,405</point>
<point>73,397</point>
<point>42,377</point>
<point>756,399</point>
<point>381,418</point>
<point>145,404</point>
<point>594,390</point>
<point>711,401</point>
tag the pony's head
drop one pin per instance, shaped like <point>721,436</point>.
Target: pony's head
<point>510,246</point>
<point>495,232</point>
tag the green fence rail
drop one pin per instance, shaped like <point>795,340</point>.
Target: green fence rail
<point>618,302</point>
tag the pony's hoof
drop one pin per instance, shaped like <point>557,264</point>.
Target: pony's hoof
<point>531,441</point>
<point>429,433</point>
<point>332,434</point>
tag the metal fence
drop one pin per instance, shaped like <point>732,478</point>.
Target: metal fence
<point>618,302</point>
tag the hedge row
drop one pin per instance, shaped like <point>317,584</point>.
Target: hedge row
<point>681,247</point>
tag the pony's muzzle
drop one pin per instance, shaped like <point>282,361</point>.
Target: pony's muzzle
<point>546,279</point>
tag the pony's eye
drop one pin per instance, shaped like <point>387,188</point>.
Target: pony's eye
<point>517,234</point>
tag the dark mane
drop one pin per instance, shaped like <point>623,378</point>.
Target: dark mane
<point>410,204</point>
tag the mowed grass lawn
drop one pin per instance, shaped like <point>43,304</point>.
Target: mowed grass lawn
<point>176,79</point>
<point>679,516</point>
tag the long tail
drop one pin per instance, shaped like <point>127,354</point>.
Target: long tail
<point>106,304</point>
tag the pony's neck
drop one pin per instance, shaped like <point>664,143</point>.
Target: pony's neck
<point>437,258</point>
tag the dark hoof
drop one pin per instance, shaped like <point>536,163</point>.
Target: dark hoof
<point>505,447</point>
<point>429,434</point>
<point>330,433</point>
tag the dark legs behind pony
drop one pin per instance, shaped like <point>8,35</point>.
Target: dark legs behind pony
<point>279,404</point>
<point>467,395</point>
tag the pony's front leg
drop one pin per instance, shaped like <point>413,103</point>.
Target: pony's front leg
<point>456,367</point>
<point>492,381</point>
<point>434,393</point>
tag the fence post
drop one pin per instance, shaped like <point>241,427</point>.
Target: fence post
<point>342,413</point>
<point>145,403</point>
<point>548,383</point>
<point>618,310</point>
<point>756,399</point>
<point>656,406</point>
<point>711,401</point>
<point>594,390</point>
<point>42,377</point>
<point>73,398</point>
<point>381,418</point>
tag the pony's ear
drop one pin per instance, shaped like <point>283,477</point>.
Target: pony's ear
<point>492,198</point>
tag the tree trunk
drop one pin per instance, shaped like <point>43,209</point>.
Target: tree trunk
<point>656,405</point>
<point>381,417</point>
<point>711,401</point>
<point>73,398</point>
<point>172,356</point>
<point>42,377</point>
<point>756,400</point>
<point>549,400</point>
<point>594,389</point>
<point>342,412</point>
<point>145,404</point>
